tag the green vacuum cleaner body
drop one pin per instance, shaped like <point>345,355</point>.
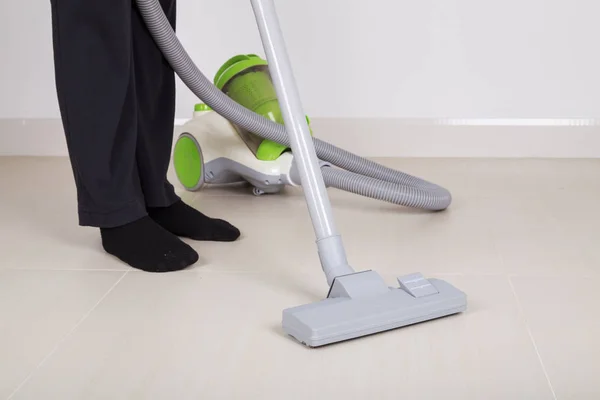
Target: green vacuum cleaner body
<point>211,150</point>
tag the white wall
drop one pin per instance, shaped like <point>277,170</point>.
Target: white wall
<point>376,58</point>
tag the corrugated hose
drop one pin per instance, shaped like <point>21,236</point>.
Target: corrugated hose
<point>356,174</point>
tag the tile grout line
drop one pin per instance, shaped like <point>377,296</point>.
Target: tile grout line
<point>242,271</point>
<point>537,352</point>
<point>65,337</point>
<point>68,269</point>
<point>522,314</point>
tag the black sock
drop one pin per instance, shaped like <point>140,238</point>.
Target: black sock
<point>185,221</point>
<point>145,245</point>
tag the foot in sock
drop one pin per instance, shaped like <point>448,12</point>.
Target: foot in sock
<point>147,246</point>
<point>185,221</point>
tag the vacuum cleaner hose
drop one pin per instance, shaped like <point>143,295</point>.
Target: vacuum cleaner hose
<point>409,196</point>
<point>362,176</point>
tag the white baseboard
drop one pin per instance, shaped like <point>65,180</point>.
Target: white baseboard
<point>526,138</point>
<point>529,138</point>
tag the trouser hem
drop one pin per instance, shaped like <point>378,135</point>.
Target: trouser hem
<point>122,216</point>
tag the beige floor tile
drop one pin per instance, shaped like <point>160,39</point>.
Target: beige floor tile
<point>526,235</point>
<point>578,215</point>
<point>37,309</point>
<point>277,234</point>
<point>563,318</point>
<point>213,331</point>
<point>532,240</point>
<point>209,335</point>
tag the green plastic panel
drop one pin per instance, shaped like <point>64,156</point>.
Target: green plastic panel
<point>246,80</point>
<point>202,107</point>
<point>188,162</point>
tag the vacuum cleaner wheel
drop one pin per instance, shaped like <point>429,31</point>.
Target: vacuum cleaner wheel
<point>188,162</point>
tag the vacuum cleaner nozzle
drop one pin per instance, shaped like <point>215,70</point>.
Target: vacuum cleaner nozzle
<point>361,304</point>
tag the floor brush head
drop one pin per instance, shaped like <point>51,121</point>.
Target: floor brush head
<point>352,314</point>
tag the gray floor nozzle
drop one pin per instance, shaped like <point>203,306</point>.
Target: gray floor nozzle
<point>361,304</point>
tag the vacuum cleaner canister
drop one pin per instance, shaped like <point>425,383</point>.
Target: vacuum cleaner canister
<point>246,80</point>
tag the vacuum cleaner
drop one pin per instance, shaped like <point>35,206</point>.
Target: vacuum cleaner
<point>251,127</point>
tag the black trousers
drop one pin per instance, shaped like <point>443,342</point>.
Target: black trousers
<point>116,96</point>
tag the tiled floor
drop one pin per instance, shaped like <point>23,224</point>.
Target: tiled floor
<point>521,239</point>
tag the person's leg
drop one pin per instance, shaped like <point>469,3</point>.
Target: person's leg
<point>92,54</point>
<point>155,93</point>
<point>97,99</point>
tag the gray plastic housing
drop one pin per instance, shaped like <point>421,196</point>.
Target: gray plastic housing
<point>360,304</point>
<point>224,170</point>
